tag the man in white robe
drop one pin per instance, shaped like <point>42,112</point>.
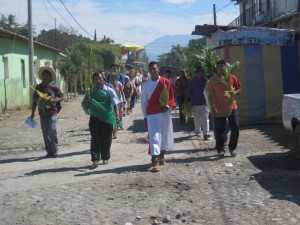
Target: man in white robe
<point>158,117</point>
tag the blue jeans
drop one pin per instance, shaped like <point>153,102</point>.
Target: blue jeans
<point>220,131</point>
<point>48,125</point>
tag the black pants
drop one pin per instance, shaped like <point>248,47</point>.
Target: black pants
<point>101,133</point>
<point>180,101</point>
<point>132,101</point>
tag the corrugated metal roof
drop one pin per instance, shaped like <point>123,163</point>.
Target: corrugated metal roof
<point>10,35</point>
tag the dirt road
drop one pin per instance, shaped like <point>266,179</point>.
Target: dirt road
<point>260,186</point>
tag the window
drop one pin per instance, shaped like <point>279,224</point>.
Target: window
<point>48,63</point>
<point>5,66</point>
<point>23,73</point>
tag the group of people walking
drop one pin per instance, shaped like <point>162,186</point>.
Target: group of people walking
<point>107,101</point>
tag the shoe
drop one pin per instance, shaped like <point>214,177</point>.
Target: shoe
<point>105,162</point>
<point>197,133</point>
<point>162,160</point>
<point>94,164</point>
<point>207,137</point>
<point>155,164</point>
<point>55,155</point>
<point>114,137</point>
<point>221,154</point>
<point>233,153</point>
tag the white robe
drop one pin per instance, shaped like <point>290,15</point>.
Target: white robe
<point>160,126</point>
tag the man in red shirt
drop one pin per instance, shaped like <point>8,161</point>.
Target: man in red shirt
<point>180,86</point>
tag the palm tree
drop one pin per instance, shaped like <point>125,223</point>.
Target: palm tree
<point>208,60</point>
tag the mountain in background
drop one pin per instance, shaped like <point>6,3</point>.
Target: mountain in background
<point>164,44</point>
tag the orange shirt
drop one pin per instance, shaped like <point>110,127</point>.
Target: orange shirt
<point>217,97</point>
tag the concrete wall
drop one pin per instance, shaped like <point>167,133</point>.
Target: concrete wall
<point>14,88</point>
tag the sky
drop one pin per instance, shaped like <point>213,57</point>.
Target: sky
<point>134,21</point>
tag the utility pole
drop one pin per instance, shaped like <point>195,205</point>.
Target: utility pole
<point>215,15</point>
<point>31,52</point>
<point>55,42</point>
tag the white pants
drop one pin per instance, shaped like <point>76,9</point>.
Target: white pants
<point>201,118</point>
<point>160,128</point>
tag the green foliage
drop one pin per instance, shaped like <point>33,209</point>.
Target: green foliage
<point>85,58</point>
<point>61,38</point>
<point>231,68</point>
<point>176,57</point>
<point>164,96</point>
<point>187,58</point>
<point>3,107</point>
<point>199,55</point>
<point>9,23</point>
<point>208,59</point>
<point>195,55</point>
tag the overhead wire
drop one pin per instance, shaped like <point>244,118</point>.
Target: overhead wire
<point>59,13</point>
<point>48,10</point>
<point>225,6</point>
<point>75,19</point>
<point>227,14</point>
<point>119,39</point>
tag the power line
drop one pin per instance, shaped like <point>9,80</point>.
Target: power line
<point>47,10</point>
<point>58,13</point>
<point>227,14</point>
<point>75,19</point>
<point>225,6</point>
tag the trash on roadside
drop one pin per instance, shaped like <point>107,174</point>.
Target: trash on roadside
<point>228,164</point>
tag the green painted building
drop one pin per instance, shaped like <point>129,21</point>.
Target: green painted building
<point>14,70</point>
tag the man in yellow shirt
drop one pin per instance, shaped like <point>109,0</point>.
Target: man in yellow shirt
<point>221,90</point>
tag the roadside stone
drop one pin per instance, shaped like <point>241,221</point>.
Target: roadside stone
<point>166,219</point>
<point>155,222</point>
<point>294,220</point>
<point>178,216</point>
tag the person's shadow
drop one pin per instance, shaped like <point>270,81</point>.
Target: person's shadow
<point>33,159</point>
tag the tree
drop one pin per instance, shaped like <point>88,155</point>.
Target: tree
<point>107,40</point>
<point>83,59</point>
<point>12,25</point>
<point>62,38</point>
<point>176,57</point>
